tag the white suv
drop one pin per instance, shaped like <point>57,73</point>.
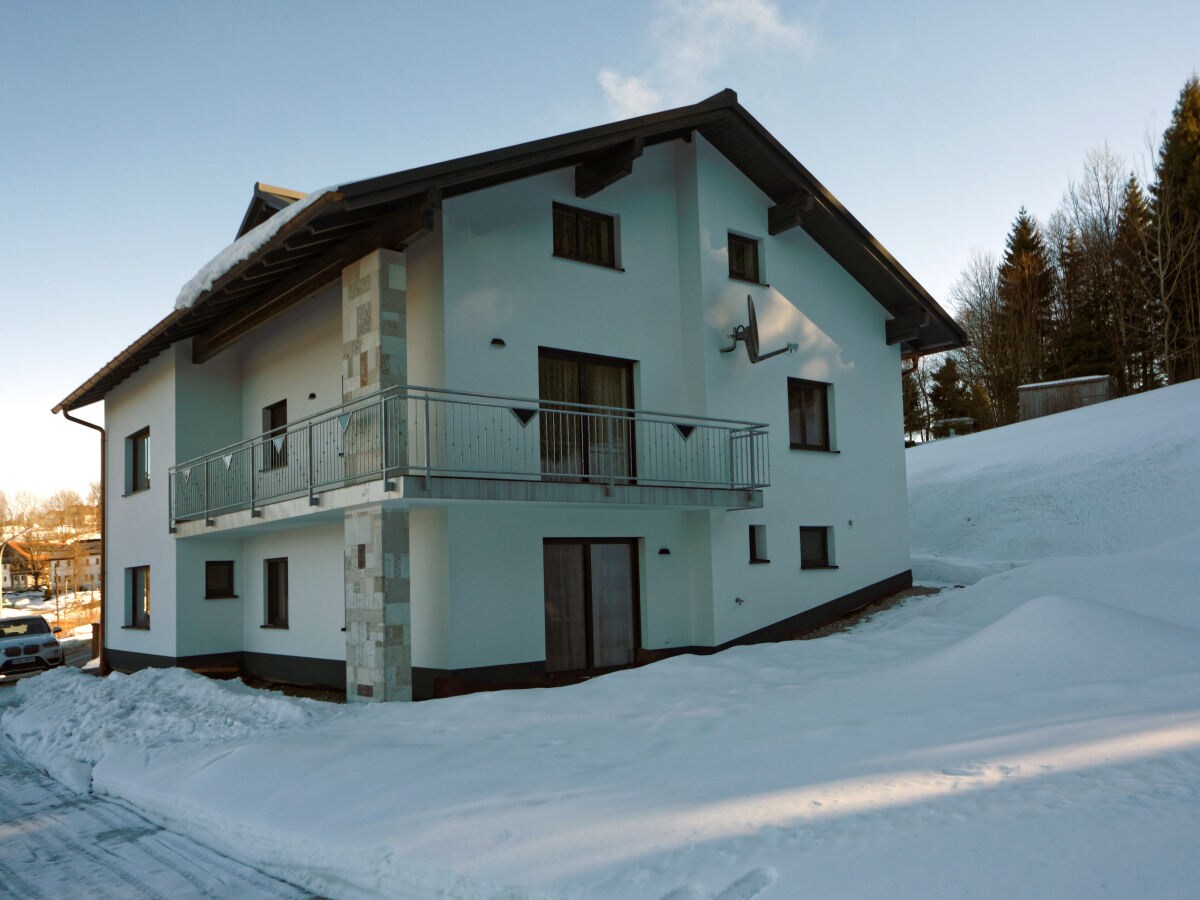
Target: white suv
<point>27,644</point>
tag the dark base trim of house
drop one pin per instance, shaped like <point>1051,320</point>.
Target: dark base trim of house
<point>270,666</point>
<point>433,683</point>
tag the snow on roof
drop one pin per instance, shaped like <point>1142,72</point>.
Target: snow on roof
<point>1079,380</point>
<point>240,250</point>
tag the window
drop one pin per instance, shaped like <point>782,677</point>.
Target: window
<point>274,419</point>
<point>137,461</point>
<point>814,548</point>
<point>276,593</point>
<point>808,414</point>
<point>758,544</point>
<point>584,236</point>
<point>743,258</point>
<point>137,597</point>
<point>218,579</point>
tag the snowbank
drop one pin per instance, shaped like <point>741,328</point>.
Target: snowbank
<point>241,249</point>
<point>1036,734</point>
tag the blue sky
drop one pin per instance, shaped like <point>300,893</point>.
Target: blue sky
<point>133,132</point>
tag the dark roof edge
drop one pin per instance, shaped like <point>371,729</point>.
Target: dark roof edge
<point>867,239</point>
<point>159,330</point>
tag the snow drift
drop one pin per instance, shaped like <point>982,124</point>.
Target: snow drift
<point>1036,734</point>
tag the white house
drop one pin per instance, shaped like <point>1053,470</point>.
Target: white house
<point>472,424</point>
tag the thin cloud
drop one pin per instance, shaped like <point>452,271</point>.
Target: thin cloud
<point>692,40</point>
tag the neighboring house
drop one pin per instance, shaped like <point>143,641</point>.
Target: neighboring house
<point>74,566</point>
<point>1049,397</point>
<point>471,424</point>
<point>19,568</point>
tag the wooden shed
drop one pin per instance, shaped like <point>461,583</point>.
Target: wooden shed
<point>1049,397</point>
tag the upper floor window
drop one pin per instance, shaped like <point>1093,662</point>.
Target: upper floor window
<point>808,414</point>
<point>585,236</point>
<point>137,461</point>
<point>274,418</point>
<point>743,258</point>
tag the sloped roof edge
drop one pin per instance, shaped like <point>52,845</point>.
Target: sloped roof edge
<point>355,207</point>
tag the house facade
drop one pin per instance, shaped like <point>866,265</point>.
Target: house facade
<point>516,419</point>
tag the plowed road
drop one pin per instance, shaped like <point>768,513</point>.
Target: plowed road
<point>56,844</point>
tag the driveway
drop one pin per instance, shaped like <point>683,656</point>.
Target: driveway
<point>55,844</point>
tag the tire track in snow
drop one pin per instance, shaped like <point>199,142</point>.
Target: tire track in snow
<point>84,846</point>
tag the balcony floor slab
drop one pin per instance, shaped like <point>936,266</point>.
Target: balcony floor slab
<point>416,490</point>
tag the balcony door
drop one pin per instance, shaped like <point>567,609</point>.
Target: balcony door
<point>591,604</point>
<point>585,444</point>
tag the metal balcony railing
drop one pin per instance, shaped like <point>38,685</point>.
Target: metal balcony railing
<point>434,432</point>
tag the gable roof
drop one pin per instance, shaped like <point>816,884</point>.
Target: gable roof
<point>266,201</point>
<point>338,225</point>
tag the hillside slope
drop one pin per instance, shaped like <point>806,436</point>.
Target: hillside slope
<point>1109,478</point>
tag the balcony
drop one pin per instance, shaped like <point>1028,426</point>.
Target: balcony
<point>436,445</point>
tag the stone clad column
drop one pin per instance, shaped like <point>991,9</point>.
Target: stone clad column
<point>374,357</point>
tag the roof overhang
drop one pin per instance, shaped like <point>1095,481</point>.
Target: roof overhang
<point>348,221</point>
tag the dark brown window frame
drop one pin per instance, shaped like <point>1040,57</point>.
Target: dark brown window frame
<point>615,362</point>
<point>825,561</point>
<point>756,553</point>
<point>137,461</point>
<point>608,222</point>
<point>804,443</point>
<point>272,458</point>
<point>271,616</point>
<point>636,579</point>
<point>137,602</point>
<point>219,592</point>
<point>754,244</point>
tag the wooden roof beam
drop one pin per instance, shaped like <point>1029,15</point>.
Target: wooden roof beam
<point>790,212</point>
<point>607,167</point>
<point>906,327</point>
<point>396,231</point>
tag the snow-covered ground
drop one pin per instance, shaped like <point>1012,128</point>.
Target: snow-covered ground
<point>1035,733</point>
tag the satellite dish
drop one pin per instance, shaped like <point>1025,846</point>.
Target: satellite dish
<point>748,334</point>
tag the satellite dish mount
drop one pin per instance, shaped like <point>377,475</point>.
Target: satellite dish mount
<point>748,334</point>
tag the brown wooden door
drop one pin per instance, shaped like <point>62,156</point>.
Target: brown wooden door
<point>591,604</point>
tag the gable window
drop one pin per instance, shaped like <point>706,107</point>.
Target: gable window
<point>137,461</point>
<point>743,258</point>
<point>218,579</point>
<point>137,597</point>
<point>276,578</point>
<point>758,544</point>
<point>814,548</point>
<point>585,236</point>
<point>808,414</point>
<point>274,418</point>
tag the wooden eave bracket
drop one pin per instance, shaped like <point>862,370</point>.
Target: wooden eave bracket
<point>906,327</point>
<point>790,212</point>
<point>606,167</point>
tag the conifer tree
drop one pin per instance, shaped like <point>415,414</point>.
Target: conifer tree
<point>1176,235</point>
<point>1137,315</point>
<point>949,397</point>
<point>1025,290</point>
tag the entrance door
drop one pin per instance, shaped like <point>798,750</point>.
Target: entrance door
<point>580,443</point>
<point>591,604</point>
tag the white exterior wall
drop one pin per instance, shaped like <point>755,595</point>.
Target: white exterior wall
<point>136,526</point>
<point>839,327</point>
<point>291,357</point>
<point>316,593</point>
